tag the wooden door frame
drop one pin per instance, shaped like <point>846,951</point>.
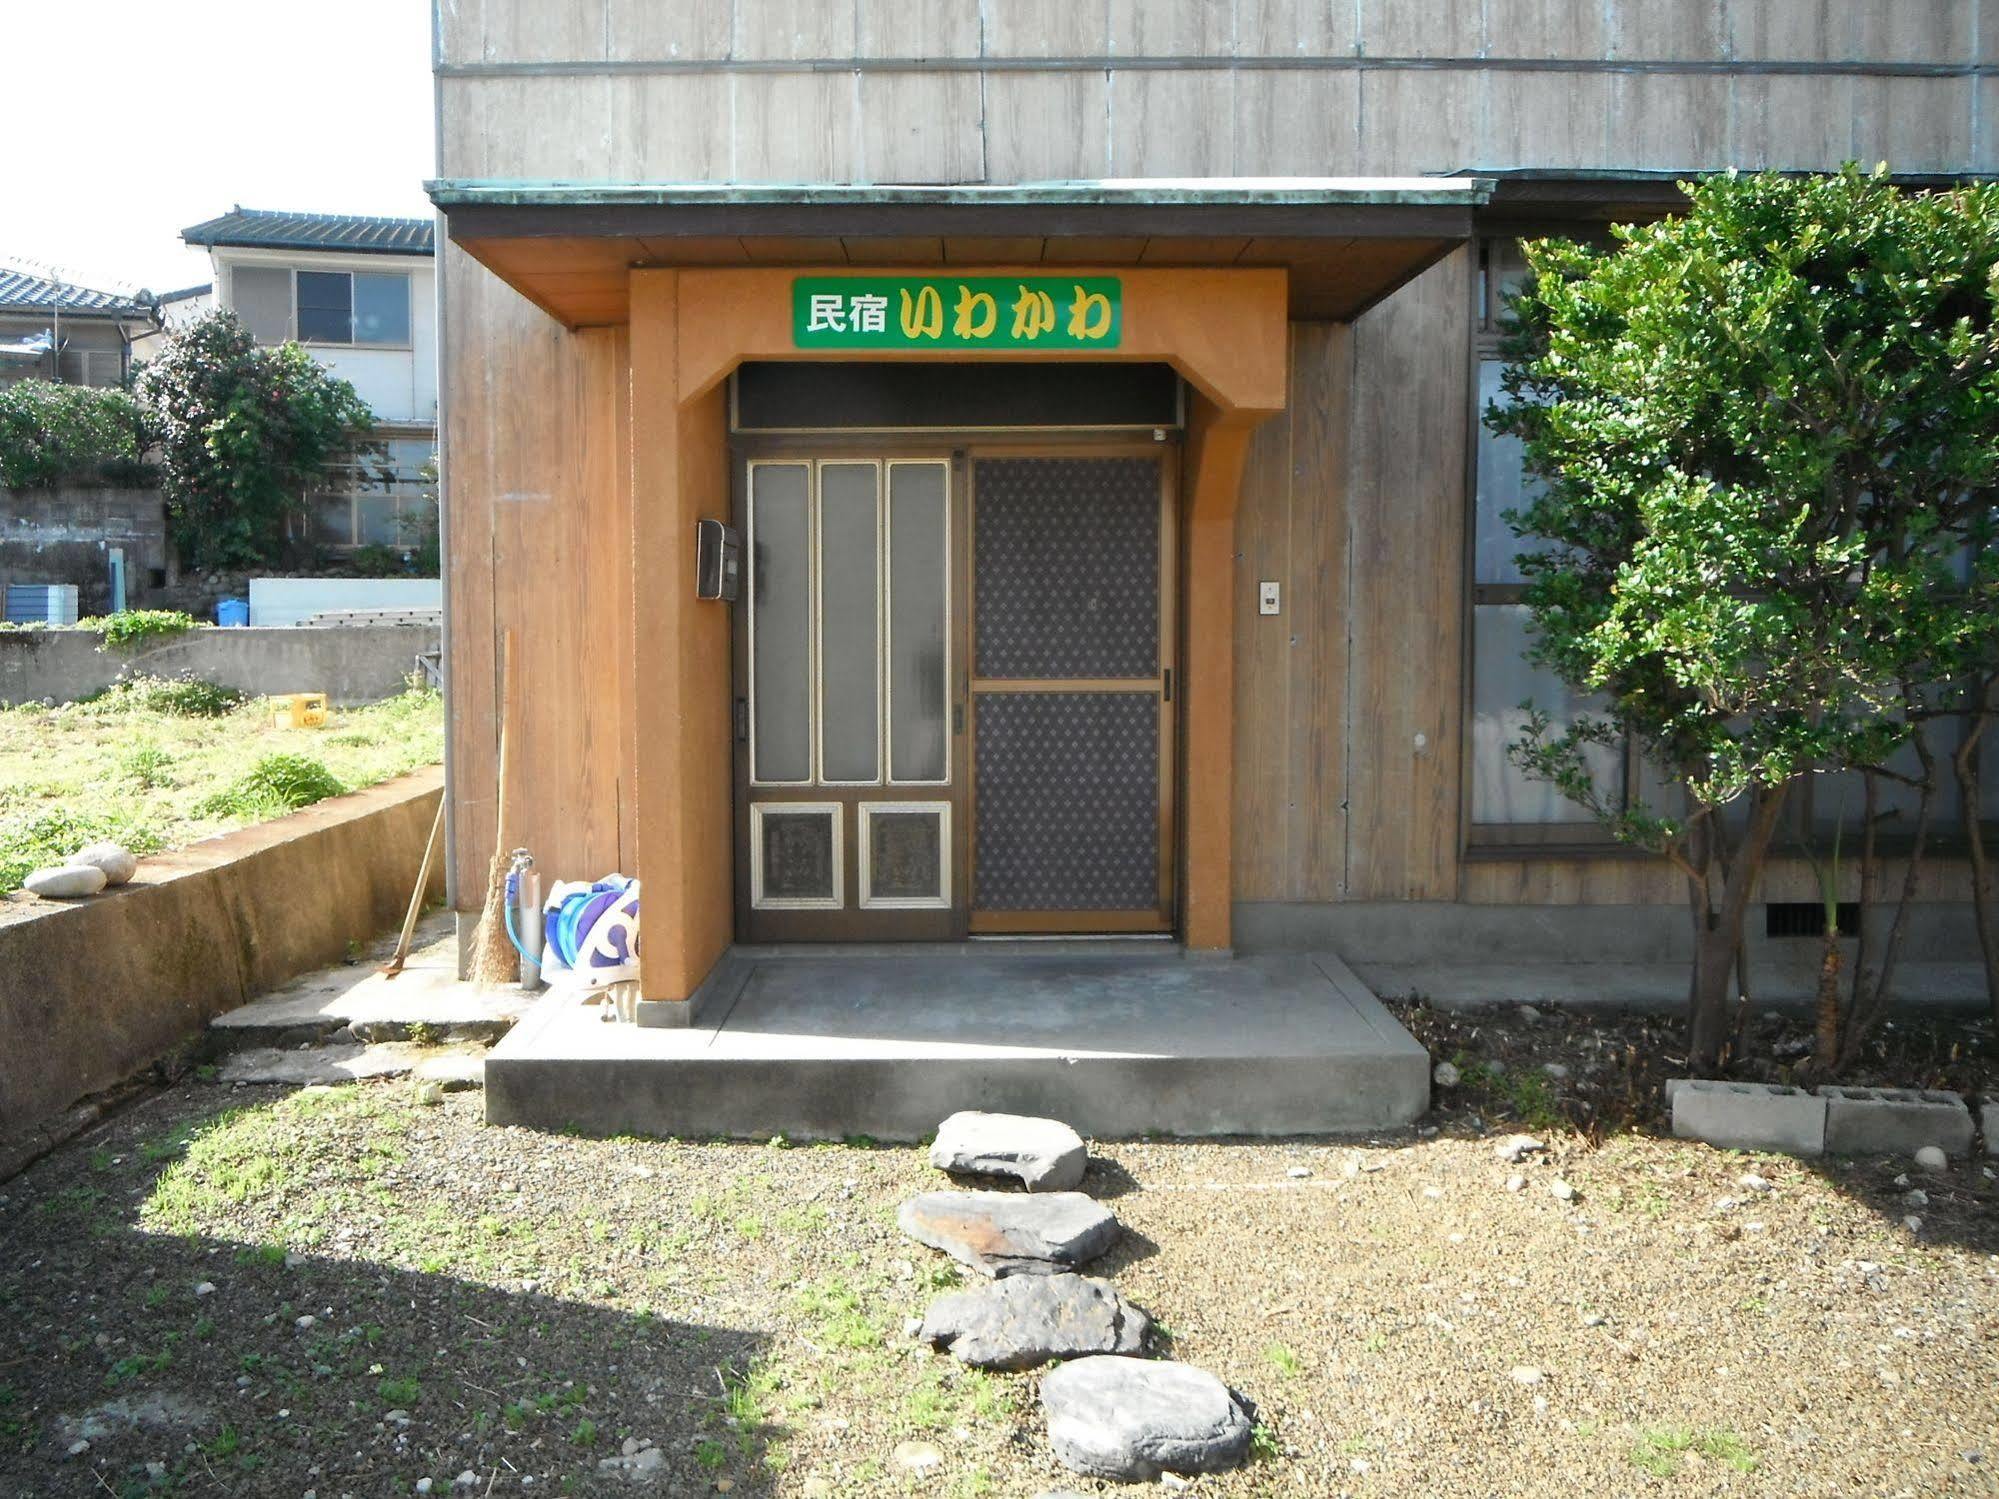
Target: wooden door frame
<point>1164,919</point>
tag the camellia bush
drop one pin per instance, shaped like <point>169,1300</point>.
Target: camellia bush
<point>1766,439</point>
<point>50,433</point>
<point>243,431</point>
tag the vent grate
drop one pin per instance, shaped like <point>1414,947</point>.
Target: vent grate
<point>1806,918</point>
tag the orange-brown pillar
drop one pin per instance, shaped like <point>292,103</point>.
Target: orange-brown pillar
<point>680,750</point>
<point>1218,444</point>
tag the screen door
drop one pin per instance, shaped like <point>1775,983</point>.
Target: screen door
<point>1071,694</point>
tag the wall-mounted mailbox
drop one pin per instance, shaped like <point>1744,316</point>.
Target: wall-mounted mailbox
<point>718,561</point>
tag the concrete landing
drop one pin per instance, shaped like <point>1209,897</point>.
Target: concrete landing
<point>425,999</point>
<point>822,1047</point>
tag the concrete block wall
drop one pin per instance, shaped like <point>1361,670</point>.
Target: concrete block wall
<point>351,665</point>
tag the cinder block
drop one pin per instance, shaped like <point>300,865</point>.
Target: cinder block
<point>1988,1122</point>
<point>1749,1116</point>
<point>1894,1121</point>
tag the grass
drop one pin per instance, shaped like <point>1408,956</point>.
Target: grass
<point>157,764</point>
<point>1660,1450</point>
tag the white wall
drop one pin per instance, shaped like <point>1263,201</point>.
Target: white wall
<point>286,601</point>
<point>399,384</point>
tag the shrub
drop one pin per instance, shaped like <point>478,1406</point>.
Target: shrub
<point>183,696</point>
<point>134,626</point>
<point>280,782</point>
<point>50,432</point>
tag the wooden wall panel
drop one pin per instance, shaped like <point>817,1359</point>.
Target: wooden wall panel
<point>640,30</point>
<point>1665,121</point>
<point>795,127</point>
<point>794,29</point>
<point>1294,28</point>
<point>535,502</point>
<point>917,28</point>
<point>1406,516</point>
<point>921,127</point>
<point>1173,124</point>
<point>1041,127</point>
<point>1296,123</point>
<point>1396,28</point>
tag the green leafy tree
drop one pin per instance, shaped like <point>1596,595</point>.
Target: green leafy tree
<point>1766,434</point>
<point>243,432</point>
<point>50,433</point>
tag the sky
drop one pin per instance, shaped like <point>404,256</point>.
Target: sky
<point>157,114</point>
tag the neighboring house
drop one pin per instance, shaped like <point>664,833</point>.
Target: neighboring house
<point>175,309</point>
<point>54,330</point>
<point>1096,390</point>
<point>359,293</point>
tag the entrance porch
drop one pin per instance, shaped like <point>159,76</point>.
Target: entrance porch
<point>1118,1038</point>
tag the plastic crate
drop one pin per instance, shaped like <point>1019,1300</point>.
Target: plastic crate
<point>299,710</point>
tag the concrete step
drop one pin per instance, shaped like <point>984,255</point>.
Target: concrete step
<point>825,1047</point>
<point>452,1068</point>
<point>357,1002</point>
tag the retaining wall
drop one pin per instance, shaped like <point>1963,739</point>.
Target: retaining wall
<point>350,664</point>
<point>91,991</point>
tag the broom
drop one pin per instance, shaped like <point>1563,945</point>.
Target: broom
<point>494,960</point>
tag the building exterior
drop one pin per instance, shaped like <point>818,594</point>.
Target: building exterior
<point>52,330</point>
<point>359,293</point>
<point>1093,390</point>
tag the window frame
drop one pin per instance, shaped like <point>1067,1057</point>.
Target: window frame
<point>292,273</point>
<point>404,492</point>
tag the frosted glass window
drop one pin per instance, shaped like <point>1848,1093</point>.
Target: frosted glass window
<point>781,622</point>
<point>1503,484</point>
<point>261,298</point>
<point>849,622</point>
<point>919,627</point>
<point>381,308</point>
<point>1503,679</point>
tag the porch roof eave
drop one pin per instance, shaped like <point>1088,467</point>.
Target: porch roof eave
<point>1347,242</point>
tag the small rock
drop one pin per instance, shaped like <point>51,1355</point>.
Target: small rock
<point>628,1447</point>
<point>917,1457</point>
<point>1516,1148</point>
<point>1526,1376</point>
<point>1594,1319</point>
<point>1561,1190</point>
<point>423,1485</point>
<point>1298,1173</point>
<point>206,1288</point>
<point>305,1322</point>
<point>1555,1070</point>
<point>1751,1182</point>
<point>1528,1014</point>
<point>429,1093</point>
<point>117,863</point>
<point>65,881</point>
<point>1932,1158</point>
<point>78,1447</point>
<point>1133,1420</point>
<point>1902,1179</point>
<point>1003,1233</point>
<point>815,1488</point>
<point>1913,1224</point>
<point>1025,1321</point>
<point>1916,1197</point>
<point>1444,1075</point>
<point>466,1480</point>
<point>1516,1183</point>
<point>1044,1154</point>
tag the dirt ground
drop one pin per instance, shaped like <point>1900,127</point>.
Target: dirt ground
<point>341,1292</point>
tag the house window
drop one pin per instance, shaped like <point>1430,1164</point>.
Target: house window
<point>380,494</point>
<point>323,307</point>
<point>1509,809</point>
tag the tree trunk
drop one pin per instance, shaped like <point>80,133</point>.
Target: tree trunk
<point>1718,934</point>
<point>1984,897</point>
<point>1825,1040</point>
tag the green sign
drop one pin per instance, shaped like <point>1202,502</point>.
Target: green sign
<point>956,312</point>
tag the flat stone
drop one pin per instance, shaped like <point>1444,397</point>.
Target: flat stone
<point>118,863</point>
<point>1988,1124</point>
<point>1132,1419</point>
<point>453,1069</point>
<point>1004,1233</point>
<point>65,881</point>
<point>1045,1154</point>
<point>1028,1320</point>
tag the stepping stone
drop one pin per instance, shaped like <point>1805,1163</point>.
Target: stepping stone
<point>1033,1319</point>
<point>1045,1154</point>
<point>1132,1419</point>
<point>1004,1233</point>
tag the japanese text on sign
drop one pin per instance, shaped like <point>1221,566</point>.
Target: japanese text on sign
<point>956,312</point>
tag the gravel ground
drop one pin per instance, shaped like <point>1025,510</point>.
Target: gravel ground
<point>339,1292</point>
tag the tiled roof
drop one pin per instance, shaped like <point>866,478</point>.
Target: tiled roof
<point>271,229</point>
<point>19,289</point>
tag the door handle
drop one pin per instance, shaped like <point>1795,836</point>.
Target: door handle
<point>957,718</point>
<point>742,720</point>
<point>1168,697</point>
